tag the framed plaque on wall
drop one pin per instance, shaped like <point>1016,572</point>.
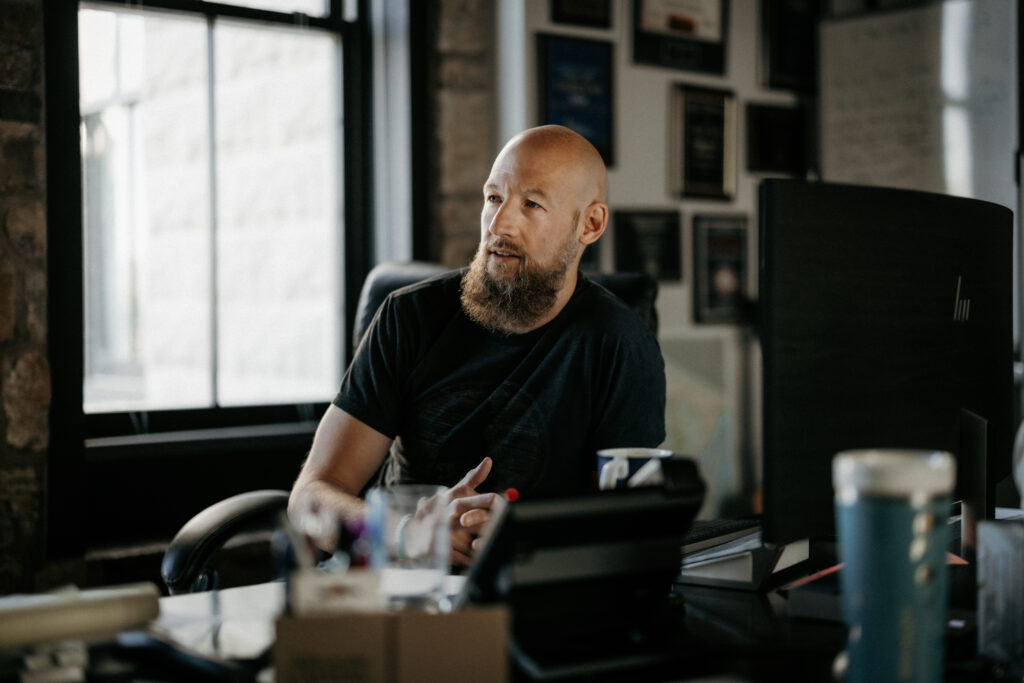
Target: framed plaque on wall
<point>681,34</point>
<point>776,139</point>
<point>720,268</point>
<point>595,13</point>
<point>575,88</point>
<point>704,138</point>
<point>789,54</point>
<point>649,241</point>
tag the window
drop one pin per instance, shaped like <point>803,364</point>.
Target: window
<point>212,206</point>
<point>209,221</point>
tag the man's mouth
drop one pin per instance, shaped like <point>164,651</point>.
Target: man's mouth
<point>503,253</point>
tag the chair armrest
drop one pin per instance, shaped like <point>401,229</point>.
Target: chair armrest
<point>184,563</point>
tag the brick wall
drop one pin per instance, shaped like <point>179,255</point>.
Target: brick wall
<point>465,132</point>
<point>24,370</point>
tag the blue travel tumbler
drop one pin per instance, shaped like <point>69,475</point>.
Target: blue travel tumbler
<point>892,509</point>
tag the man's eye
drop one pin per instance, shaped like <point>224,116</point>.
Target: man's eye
<point>532,204</point>
<point>493,198</point>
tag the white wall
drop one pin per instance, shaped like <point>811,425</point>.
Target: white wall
<point>712,370</point>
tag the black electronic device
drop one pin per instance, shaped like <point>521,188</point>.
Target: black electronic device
<point>588,577</point>
<point>886,321</point>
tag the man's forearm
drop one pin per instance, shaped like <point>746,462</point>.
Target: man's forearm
<point>322,495</point>
<point>345,454</point>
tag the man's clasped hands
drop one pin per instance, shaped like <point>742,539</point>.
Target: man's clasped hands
<point>467,511</point>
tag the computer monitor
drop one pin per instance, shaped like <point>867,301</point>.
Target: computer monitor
<point>886,321</point>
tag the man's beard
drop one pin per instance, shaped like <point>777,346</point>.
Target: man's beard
<point>513,304</point>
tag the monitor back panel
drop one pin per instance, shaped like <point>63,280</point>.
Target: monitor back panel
<point>886,318</point>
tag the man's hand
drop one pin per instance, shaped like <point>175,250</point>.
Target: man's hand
<point>468,511</point>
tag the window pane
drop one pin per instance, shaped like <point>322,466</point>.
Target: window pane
<point>146,211</point>
<point>158,334</point>
<point>278,208</point>
<point>313,8</point>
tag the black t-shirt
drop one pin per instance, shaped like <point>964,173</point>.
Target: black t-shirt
<point>539,404</point>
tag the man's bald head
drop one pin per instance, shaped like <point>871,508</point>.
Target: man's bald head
<point>569,150</point>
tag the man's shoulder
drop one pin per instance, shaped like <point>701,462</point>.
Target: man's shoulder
<point>416,313</point>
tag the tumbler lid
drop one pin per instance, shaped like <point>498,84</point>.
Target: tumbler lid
<point>894,472</point>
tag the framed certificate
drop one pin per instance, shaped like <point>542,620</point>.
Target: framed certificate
<point>648,241</point>
<point>575,81</point>
<point>681,34</point>
<point>776,139</point>
<point>789,44</point>
<point>704,138</point>
<point>720,268</point>
<point>595,13</point>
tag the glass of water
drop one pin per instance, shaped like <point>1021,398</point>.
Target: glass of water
<point>410,543</point>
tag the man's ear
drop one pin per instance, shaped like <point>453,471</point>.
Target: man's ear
<point>595,220</point>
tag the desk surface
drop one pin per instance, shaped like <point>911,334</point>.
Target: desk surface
<point>732,631</point>
<point>745,636</point>
<point>234,623</point>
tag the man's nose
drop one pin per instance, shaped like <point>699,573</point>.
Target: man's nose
<point>502,221</point>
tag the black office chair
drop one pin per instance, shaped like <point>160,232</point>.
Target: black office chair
<point>186,565</point>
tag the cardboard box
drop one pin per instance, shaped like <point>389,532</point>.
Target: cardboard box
<point>351,647</point>
<point>393,647</point>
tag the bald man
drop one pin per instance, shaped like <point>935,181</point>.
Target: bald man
<point>512,373</point>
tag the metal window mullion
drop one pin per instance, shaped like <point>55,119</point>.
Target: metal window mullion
<point>212,137</point>
<point>344,350</point>
<point>332,21</point>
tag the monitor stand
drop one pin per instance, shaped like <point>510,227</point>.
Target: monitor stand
<point>971,480</point>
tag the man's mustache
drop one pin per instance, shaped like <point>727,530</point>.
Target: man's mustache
<point>504,246</point>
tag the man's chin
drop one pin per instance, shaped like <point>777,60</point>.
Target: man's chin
<point>502,270</point>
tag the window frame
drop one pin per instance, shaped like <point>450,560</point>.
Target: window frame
<point>97,458</point>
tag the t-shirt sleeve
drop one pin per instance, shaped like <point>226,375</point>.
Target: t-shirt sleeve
<point>370,389</point>
<point>633,410</point>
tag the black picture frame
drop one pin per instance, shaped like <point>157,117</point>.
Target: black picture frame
<point>776,139</point>
<point>704,142</point>
<point>592,13</point>
<point>720,268</point>
<point>648,240</point>
<point>576,88</point>
<point>789,44</point>
<point>693,38</point>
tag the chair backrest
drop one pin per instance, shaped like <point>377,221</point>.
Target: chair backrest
<point>638,290</point>
<point>381,281</point>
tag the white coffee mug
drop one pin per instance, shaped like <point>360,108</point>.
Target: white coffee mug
<point>620,467</point>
